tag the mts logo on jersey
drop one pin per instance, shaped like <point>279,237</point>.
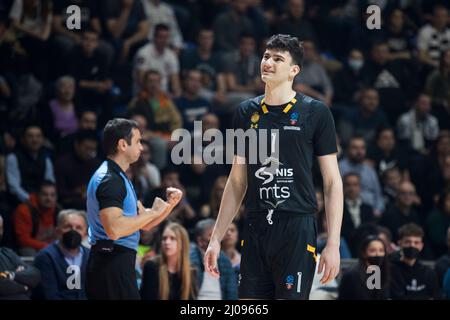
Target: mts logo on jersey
<point>274,176</point>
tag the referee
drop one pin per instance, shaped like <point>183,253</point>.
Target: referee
<point>279,242</point>
<point>115,216</point>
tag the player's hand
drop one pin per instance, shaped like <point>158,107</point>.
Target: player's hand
<point>174,196</point>
<point>210,259</point>
<point>329,263</point>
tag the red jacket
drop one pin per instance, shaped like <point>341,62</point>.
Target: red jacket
<point>23,225</point>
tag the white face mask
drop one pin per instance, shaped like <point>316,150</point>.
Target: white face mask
<point>355,64</point>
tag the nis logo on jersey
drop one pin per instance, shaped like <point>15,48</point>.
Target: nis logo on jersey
<point>270,171</point>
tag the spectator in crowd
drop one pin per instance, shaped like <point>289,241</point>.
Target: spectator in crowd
<point>438,82</point>
<point>201,173</point>
<point>229,26</point>
<point>434,38</point>
<point>294,22</point>
<point>34,220</point>
<point>146,174</point>
<point>229,244</point>
<point>438,221</point>
<point>190,104</point>
<point>398,36</point>
<point>62,110</point>
<point>6,206</point>
<point>385,235</point>
<point>224,288</point>
<point>29,165</point>
<point>159,57</point>
<point>417,128</point>
<point>356,212</point>
<point>170,275</point>
<point>403,211</point>
<point>442,266</point>
<point>355,282</point>
<point>159,12</point>
<point>313,79</point>
<point>87,120</point>
<point>63,259</point>
<point>212,208</point>
<point>241,68</point>
<point>126,24</point>
<point>16,278</point>
<point>91,71</point>
<point>156,105</point>
<point>385,154</point>
<point>208,62</point>
<point>322,237</point>
<point>64,39</point>
<point>354,161</point>
<point>32,22</point>
<point>395,80</point>
<point>147,248</point>
<point>391,179</point>
<point>364,120</point>
<point>349,81</point>
<point>74,169</point>
<point>411,280</point>
<point>158,144</point>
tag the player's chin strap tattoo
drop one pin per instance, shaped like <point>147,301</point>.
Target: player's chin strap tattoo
<point>270,211</point>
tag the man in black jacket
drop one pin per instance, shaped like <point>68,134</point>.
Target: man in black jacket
<point>16,278</point>
<point>356,212</point>
<point>410,279</point>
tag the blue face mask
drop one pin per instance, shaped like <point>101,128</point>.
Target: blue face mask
<point>355,64</point>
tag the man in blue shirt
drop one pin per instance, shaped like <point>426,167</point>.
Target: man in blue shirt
<point>115,215</point>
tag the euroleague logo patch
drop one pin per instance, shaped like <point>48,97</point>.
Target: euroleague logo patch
<point>294,118</point>
<point>289,282</point>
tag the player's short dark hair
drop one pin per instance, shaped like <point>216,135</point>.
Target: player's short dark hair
<point>410,230</point>
<point>285,42</point>
<point>115,130</point>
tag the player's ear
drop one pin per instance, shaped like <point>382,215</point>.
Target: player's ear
<point>295,70</point>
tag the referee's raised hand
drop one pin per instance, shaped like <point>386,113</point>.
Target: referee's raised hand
<point>160,208</point>
<point>173,196</point>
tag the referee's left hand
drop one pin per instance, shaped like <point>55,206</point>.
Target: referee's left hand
<point>174,196</point>
<point>330,261</point>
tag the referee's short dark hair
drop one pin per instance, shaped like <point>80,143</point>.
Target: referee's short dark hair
<point>285,42</point>
<point>115,130</point>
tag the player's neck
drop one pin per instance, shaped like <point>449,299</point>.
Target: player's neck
<point>122,163</point>
<point>278,94</point>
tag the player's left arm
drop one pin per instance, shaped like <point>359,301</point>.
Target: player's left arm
<point>332,188</point>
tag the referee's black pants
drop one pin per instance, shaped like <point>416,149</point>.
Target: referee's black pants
<point>112,275</point>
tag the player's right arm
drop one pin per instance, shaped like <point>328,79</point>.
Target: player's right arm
<point>233,195</point>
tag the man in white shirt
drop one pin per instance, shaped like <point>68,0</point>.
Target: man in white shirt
<point>158,56</point>
<point>434,38</point>
<point>159,12</point>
